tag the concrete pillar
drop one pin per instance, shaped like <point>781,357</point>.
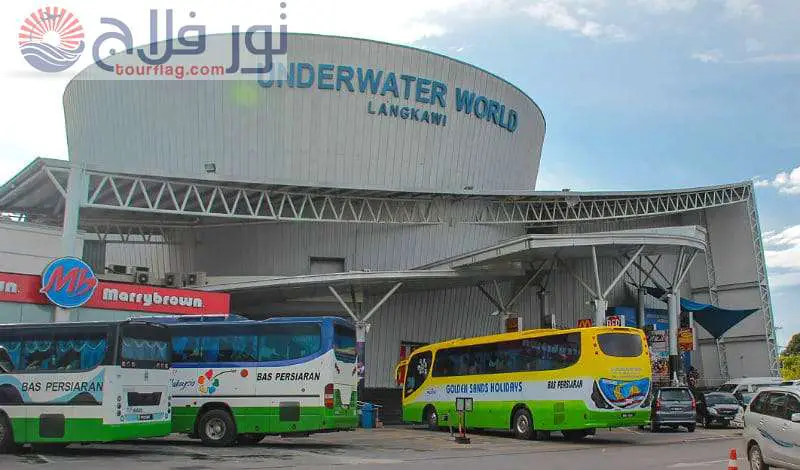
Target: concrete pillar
<point>76,185</point>
<point>600,307</point>
<point>545,319</point>
<point>640,307</point>
<point>361,339</point>
<point>674,324</point>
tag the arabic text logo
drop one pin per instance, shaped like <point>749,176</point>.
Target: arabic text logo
<point>68,282</point>
<point>51,39</point>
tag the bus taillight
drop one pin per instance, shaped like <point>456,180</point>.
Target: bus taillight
<point>329,396</point>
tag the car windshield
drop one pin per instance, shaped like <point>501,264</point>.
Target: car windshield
<point>728,388</point>
<point>676,394</point>
<point>720,399</point>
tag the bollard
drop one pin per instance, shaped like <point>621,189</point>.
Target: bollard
<point>462,435</point>
<point>732,464</point>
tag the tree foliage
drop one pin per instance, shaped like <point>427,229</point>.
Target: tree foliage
<point>793,349</point>
<point>790,366</point>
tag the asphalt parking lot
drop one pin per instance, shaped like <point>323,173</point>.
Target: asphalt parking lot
<point>402,447</point>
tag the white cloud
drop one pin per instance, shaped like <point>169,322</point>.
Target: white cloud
<point>772,58</point>
<point>749,8</point>
<point>782,254</point>
<point>787,182</point>
<point>753,45</point>
<point>713,56</point>
<point>573,16</point>
<point>662,6</point>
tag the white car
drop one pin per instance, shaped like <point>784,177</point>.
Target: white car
<point>772,429</point>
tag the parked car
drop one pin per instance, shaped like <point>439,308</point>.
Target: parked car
<point>673,407</point>
<point>745,388</point>
<point>772,429</point>
<point>717,407</point>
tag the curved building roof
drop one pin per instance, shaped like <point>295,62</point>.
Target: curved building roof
<point>349,113</point>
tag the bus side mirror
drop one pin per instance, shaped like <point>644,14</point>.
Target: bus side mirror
<point>6,364</point>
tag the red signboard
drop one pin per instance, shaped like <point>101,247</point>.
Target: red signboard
<point>24,288</point>
<point>585,323</point>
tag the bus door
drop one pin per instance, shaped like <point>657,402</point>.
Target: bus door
<point>346,373</point>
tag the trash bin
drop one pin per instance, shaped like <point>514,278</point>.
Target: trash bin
<point>367,416</point>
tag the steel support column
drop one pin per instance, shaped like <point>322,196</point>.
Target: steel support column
<point>362,327</point>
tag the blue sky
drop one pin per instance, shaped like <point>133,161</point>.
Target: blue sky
<point>638,94</point>
<point>670,93</point>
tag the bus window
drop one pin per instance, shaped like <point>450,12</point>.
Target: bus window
<point>14,349</point>
<point>38,353</point>
<point>287,342</point>
<point>80,352</point>
<point>417,372</point>
<point>620,344</point>
<point>229,348</point>
<point>344,343</point>
<point>144,347</point>
<point>186,349</point>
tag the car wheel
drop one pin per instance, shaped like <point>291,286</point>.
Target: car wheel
<point>756,458</point>
<point>522,424</point>
<point>217,428</point>
<point>690,427</point>
<point>6,435</point>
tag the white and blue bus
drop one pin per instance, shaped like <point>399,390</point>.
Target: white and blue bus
<point>83,382</point>
<point>235,380</point>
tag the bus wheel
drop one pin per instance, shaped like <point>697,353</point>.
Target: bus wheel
<point>522,424</point>
<point>6,435</point>
<point>432,419</point>
<point>250,438</point>
<point>217,428</point>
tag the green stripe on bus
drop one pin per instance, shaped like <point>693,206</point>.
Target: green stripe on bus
<point>547,415</point>
<point>267,420</point>
<point>87,430</point>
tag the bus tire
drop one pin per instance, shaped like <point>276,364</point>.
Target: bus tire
<point>250,438</point>
<point>432,418</point>
<point>217,428</point>
<point>7,444</point>
<point>522,424</point>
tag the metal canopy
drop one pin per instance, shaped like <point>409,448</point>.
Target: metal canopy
<point>564,246</point>
<point>123,203</point>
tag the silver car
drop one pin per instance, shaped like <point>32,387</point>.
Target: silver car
<point>772,428</point>
<point>673,407</point>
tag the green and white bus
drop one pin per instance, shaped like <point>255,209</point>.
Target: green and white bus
<point>62,383</point>
<point>236,380</point>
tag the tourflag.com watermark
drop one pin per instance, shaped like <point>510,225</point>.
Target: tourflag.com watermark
<point>51,39</point>
<point>176,47</point>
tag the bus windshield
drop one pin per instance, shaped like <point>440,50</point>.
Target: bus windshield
<point>344,343</point>
<point>144,346</point>
<point>620,344</point>
<point>417,372</point>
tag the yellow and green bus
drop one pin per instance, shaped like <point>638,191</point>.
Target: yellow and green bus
<point>532,382</point>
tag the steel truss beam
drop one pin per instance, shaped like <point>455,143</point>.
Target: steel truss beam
<point>141,234</point>
<point>587,208</point>
<point>164,196</point>
<point>763,287</point>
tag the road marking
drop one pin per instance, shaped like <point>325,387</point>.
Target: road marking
<point>43,458</point>
<point>697,464</point>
